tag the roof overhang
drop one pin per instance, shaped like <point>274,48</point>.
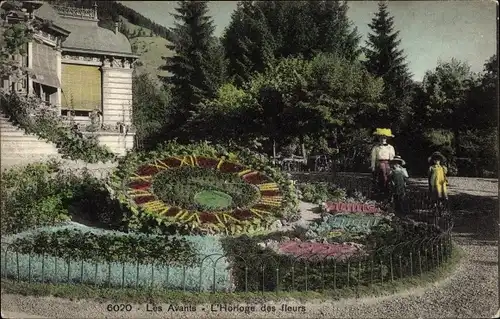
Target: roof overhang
<point>99,52</point>
<point>54,27</point>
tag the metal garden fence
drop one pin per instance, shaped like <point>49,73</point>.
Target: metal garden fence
<point>312,271</point>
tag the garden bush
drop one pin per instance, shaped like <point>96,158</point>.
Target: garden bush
<point>42,194</point>
<point>115,269</point>
<point>34,195</point>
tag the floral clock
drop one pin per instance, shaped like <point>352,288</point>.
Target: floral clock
<point>211,194</point>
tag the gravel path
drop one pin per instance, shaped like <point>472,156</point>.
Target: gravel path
<point>471,292</point>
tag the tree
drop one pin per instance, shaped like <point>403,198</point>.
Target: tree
<point>334,31</point>
<point>262,30</point>
<point>386,60</point>
<point>248,44</point>
<point>152,110</point>
<point>192,41</point>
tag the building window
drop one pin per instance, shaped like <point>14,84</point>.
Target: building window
<point>81,88</point>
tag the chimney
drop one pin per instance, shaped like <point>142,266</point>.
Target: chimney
<point>94,6</point>
<point>116,27</point>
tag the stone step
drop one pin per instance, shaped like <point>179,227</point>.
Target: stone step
<point>16,134</point>
<point>23,148</point>
<point>9,129</point>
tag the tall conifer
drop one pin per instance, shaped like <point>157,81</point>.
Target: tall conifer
<point>386,60</point>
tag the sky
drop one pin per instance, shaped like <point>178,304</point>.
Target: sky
<point>430,31</point>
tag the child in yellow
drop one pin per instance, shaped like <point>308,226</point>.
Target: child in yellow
<point>437,178</point>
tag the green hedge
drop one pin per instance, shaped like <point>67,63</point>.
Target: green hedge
<point>101,269</point>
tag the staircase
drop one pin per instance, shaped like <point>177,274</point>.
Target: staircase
<point>19,148</point>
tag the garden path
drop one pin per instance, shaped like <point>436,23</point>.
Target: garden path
<point>470,292</point>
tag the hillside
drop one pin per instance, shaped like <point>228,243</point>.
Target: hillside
<point>151,49</point>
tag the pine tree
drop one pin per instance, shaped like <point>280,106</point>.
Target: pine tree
<point>192,41</point>
<point>386,60</point>
<point>247,42</point>
<point>335,32</point>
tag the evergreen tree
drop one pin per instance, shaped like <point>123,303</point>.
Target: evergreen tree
<point>386,60</point>
<point>247,42</point>
<point>192,41</point>
<point>334,31</point>
<point>263,30</point>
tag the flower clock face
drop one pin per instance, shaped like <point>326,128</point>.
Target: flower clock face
<point>209,194</point>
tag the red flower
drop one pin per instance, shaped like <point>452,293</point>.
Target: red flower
<point>172,211</point>
<point>144,199</point>
<point>139,184</point>
<point>171,162</point>
<point>206,162</point>
<point>228,167</point>
<point>256,178</point>
<point>242,214</point>
<point>270,193</point>
<point>147,170</point>
<point>207,217</point>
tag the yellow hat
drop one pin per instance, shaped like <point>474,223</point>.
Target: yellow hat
<point>383,132</point>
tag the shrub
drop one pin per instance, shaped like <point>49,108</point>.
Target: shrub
<point>43,194</point>
<point>321,192</point>
<point>32,196</point>
<point>120,272</point>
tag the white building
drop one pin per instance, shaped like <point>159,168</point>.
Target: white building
<point>80,67</point>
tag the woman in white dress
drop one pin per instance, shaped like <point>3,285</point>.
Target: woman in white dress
<point>381,154</point>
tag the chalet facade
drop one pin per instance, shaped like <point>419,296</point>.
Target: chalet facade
<point>81,68</point>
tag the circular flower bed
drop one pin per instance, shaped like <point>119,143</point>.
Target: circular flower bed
<point>209,194</point>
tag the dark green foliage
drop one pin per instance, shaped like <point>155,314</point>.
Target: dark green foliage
<point>386,60</point>
<point>248,43</point>
<point>264,30</point>
<point>31,197</point>
<point>80,245</point>
<point>179,186</point>
<point>453,113</point>
<point>152,111</point>
<point>193,77</point>
<point>42,194</point>
<point>334,31</point>
<point>320,192</point>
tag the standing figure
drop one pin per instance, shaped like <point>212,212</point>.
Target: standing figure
<point>398,179</point>
<point>382,153</point>
<point>437,178</point>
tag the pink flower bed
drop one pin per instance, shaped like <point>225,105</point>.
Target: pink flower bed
<point>335,207</point>
<point>308,250</point>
